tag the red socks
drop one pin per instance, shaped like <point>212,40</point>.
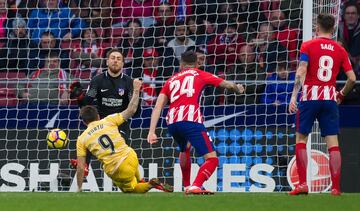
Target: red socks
<point>335,164</point>
<point>185,164</point>
<point>335,167</point>
<point>301,161</point>
<point>205,171</point>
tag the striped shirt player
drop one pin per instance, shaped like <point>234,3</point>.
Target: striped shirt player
<point>184,118</point>
<point>321,60</point>
<point>186,107</point>
<point>325,58</point>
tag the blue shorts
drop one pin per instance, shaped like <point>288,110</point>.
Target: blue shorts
<point>325,111</point>
<point>193,132</point>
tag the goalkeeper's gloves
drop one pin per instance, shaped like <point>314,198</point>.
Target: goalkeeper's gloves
<point>76,91</point>
<point>73,165</point>
<point>340,96</point>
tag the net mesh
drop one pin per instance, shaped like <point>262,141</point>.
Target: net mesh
<point>330,7</point>
<point>244,41</point>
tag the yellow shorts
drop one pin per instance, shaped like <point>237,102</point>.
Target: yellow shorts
<point>126,177</point>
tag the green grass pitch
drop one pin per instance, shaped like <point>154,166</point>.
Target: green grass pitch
<point>175,201</point>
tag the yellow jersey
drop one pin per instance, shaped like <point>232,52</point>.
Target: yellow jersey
<point>103,139</point>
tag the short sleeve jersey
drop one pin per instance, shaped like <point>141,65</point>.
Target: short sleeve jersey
<point>184,91</point>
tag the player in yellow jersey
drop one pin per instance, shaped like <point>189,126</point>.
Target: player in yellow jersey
<point>103,140</point>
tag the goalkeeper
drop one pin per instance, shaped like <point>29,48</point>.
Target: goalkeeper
<point>103,139</point>
<point>111,90</point>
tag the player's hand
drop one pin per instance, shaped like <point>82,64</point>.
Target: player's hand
<point>293,106</point>
<point>241,88</point>
<point>76,90</point>
<point>73,165</point>
<point>137,84</point>
<point>152,138</point>
<point>339,97</point>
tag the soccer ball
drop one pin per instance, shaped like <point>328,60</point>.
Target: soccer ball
<point>57,139</point>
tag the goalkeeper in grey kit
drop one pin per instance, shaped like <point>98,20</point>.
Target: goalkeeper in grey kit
<point>111,90</point>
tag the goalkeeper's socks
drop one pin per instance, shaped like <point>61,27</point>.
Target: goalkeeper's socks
<point>185,164</point>
<point>335,167</point>
<point>301,161</point>
<point>205,171</point>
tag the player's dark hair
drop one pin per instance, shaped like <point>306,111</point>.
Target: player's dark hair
<point>188,58</point>
<point>326,22</point>
<point>114,50</point>
<point>89,114</point>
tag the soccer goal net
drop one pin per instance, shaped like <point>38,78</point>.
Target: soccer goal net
<point>46,46</point>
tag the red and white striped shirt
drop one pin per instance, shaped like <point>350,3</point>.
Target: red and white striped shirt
<point>325,59</point>
<point>184,90</point>
<point>318,93</point>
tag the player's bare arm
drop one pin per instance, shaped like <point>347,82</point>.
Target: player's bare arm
<point>237,88</point>
<point>80,169</point>
<point>350,82</point>
<point>134,102</point>
<point>299,80</point>
<point>160,103</point>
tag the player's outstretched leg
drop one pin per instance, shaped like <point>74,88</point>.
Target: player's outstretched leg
<point>133,186</point>
<point>185,165</point>
<point>205,172</point>
<point>142,187</point>
<point>301,163</point>
<point>155,183</point>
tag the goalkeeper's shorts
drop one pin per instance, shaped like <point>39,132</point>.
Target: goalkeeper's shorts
<point>193,132</point>
<point>325,111</point>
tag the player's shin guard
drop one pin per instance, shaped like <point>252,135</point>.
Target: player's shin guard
<point>335,167</point>
<point>205,171</point>
<point>301,162</point>
<point>185,164</point>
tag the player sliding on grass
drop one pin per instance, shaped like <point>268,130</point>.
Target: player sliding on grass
<point>320,62</point>
<point>184,118</point>
<point>103,139</point>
